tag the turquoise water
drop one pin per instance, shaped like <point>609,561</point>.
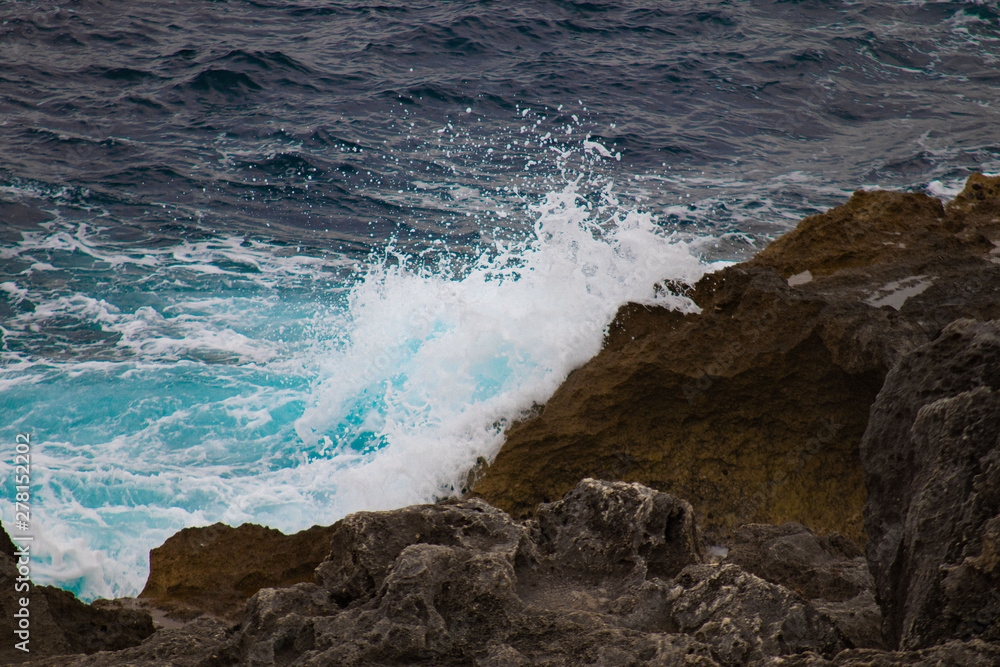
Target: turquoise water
<point>277,262</point>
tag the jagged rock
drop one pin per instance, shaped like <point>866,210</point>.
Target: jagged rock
<point>196,644</point>
<point>829,571</point>
<point>215,569</point>
<point>60,623</point>
<point>932,467</point>
<point>744,618</point>
<point>619,532</point>
<point>975,653</point>
<point>366,545</point>
<point>753,409</point>
<point>461,583</point>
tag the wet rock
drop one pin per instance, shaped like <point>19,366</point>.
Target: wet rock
<point>829,571</point>
<point>213,570</point>
<point>932,466</point>
<point>59,623</point>
<point>753,409</point>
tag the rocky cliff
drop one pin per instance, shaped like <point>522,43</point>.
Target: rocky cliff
<point>754,409</point>
<point>832,414</point>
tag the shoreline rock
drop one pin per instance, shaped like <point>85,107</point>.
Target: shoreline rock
<point>860,351</point>
<point>214,570</point>
<point>59,623</point>
<point>753,410</point>
<point>611,574</point>
<point>932,466</point>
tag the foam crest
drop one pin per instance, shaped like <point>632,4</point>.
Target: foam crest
<point>433,365</point>
<point>275,402</point>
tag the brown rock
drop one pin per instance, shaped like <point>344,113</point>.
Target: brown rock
<point>754,408</point>
<point>872,228</point>
<point>974,653</point>
<point>215,569</point>
<point>59,623</point>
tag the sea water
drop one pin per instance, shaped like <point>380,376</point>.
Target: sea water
<point>281,262</point>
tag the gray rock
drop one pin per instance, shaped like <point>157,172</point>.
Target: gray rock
<point>365,545</point>
<point>746,619</point>
<point>829,571</point>
<point>615,530</point>
<point>460,583</point>
<point>194,645</point>
<point>931,459</point>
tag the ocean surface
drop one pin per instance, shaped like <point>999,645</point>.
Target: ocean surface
<point>280,261</point>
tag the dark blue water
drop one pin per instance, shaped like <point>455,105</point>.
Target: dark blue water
<point>276,262</point>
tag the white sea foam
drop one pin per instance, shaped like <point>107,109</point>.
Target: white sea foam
<point>445,360</point>
<point>945,191</point>
<point>292,408</point>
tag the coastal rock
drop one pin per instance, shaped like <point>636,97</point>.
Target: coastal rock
<point>59,622</point>
<point>196,644</point>
<point>932,466</point>
<point>610,575</point>
<point>975,653</point>
<point>753,409</point>
<point>215,569</point>
<point>744,618</point>
<point>829,571</point>
<point>365,546</point>
<point>460,582</point>
<point>617,532</point>
<point>837,359</point>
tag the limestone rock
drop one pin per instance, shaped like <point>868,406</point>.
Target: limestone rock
<point>59,622</point>
<point>829,571</point>
<point>460,582</point>
<point>196,644</point>
<point>744,618</point>
<point>617,531</point>
<point>975,653</point>
<point>215,569</point>
<point>366,545</point>
<point>608,575</point>
<point>932,466</point>
<point>753,409</point>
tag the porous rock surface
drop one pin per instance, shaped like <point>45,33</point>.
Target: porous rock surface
<point>974,653</point>
<point>830,571</point>
<point>932,466</point>
<point>214,569</point>
<point>611,574</point>
<point>754,409</point>
<point>462,583</point>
